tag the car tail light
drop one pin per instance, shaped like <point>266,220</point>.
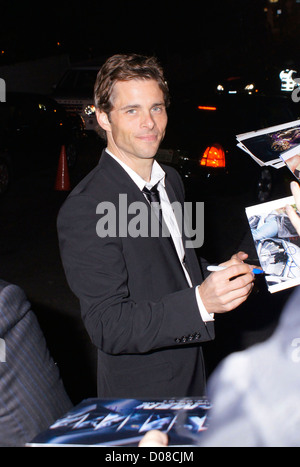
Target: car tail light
<point>213,156</point>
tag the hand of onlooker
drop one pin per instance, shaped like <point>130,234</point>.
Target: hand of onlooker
<point>294,162</point>
<point>154,438</point>
<point>225,290</point>
<point>295,219</point>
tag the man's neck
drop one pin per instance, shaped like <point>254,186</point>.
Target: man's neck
<point>143,167</point>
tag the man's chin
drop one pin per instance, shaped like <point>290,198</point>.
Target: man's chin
<point>149,150</point>
<point>149,154</point>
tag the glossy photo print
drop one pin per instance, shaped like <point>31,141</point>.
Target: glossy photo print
<point>268,146</point>
<point>277,243</point>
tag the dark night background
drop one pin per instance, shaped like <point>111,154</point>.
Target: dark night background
<point>196,37</point>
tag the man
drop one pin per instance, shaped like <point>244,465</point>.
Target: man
<point>139,294</point>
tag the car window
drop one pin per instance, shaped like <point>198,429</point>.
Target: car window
<point>86,80</point>
<point>68,81</point>
<point>78,81</point>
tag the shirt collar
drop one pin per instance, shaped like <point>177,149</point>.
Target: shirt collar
<point>157,173</point>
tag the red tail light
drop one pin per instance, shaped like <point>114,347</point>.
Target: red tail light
<point>214,156</point>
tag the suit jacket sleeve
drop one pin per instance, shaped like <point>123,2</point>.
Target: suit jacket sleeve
<point>96,271</point>
<point>32,393</point>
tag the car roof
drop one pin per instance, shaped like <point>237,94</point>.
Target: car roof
<point>27,96</point>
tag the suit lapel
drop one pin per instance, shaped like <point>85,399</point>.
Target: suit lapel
<point>190,256</point>
<point>126,185</point>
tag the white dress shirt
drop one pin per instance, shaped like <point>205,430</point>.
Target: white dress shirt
<point>158,178</point>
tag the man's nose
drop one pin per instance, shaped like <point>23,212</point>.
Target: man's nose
<point>148,120</point>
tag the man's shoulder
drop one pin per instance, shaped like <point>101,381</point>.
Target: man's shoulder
<point>174,179</point>
<point>93,183</point>
<point>101,179</point>
<point>171,174</point>
<point>170,170</point>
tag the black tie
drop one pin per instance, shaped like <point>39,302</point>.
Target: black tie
<point>152,196</point>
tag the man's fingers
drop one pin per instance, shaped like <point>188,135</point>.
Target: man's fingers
<point>235,270</point>
<point>241,256</point>
<point>295,188</point>
<point>238,258</point>
<point>154,438</point>
<point>230,299</point>
<point>225,290</point>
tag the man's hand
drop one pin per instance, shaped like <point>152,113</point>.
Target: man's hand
<point>225,290</point>
<point>295,219</point>
<point>154,438</point>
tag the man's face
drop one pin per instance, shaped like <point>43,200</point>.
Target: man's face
<point>138,119</point>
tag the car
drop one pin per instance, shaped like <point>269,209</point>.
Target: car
<point>236,84</point>
<point>33,128</point>
<point>202,138</point>
<point>201,144</point>
<point>74,92</point>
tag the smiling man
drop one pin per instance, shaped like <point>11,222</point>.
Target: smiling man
<point>143,299</point>
<point>136,125</point>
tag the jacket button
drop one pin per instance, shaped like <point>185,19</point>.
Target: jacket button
<point>177,340</point>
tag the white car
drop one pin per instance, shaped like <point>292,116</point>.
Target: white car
<point>75,91</point>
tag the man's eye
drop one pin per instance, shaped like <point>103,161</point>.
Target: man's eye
<point>131,111</point>
<point>157,109</point>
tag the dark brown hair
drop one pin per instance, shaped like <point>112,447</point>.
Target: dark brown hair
<point>126,68</point>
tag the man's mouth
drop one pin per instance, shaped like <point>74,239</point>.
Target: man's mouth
<point>151,138</point>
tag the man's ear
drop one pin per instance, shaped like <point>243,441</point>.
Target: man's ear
<point>103,120</point>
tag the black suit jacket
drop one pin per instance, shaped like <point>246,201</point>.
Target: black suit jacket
<point>135,301</point>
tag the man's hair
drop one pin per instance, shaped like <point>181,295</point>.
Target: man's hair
<point>126,67</point>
